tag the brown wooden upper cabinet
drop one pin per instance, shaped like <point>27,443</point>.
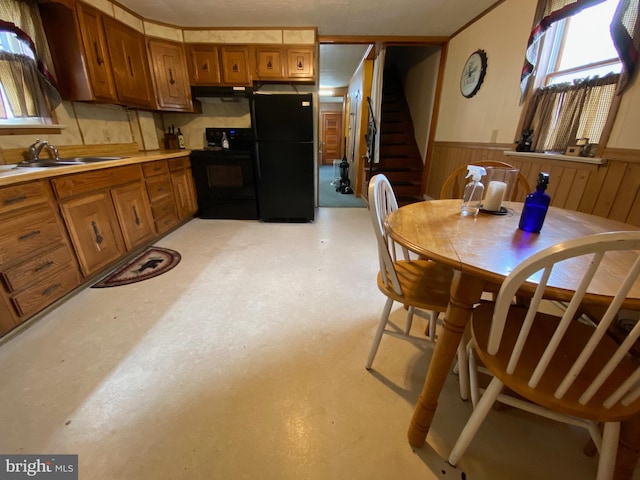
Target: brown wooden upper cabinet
<point>235,65</point>
<point>219,65</point>
<point>95,45</point>
<point>204,65</point>
<point>129,62</point>
<point>78,45</point>
<point>97,58</point>
<point>286,63</point>
<point>216,64</point>
<point>300,63</point>
<point>269,63</point>
<point>170,76</point>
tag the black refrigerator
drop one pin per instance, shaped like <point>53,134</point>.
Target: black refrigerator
<point>283,129</point>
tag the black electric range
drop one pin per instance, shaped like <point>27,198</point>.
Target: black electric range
<point>224,174</point>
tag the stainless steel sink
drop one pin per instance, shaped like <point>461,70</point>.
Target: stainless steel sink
<point>90,159</point>
<point>65,162</point>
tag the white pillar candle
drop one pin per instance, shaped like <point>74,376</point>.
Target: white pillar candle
<point>495,193</point>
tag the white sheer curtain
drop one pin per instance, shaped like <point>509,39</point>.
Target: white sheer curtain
<point>26,71</point>
<point>376,100</point>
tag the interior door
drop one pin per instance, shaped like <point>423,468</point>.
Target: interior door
<point>331,137</point>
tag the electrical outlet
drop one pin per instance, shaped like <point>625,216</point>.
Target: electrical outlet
<point>494,136</point>
<point>106,135</point>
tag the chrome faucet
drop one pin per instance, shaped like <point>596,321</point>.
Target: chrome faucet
<point>36,149</point>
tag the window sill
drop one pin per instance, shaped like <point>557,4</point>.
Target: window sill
<point>26,129</point>
<point>558,156</point>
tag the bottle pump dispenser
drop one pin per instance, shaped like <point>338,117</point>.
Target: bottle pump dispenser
<point>473,191</point>
<point>535,206</point>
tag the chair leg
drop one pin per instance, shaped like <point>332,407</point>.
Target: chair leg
<point>475,420</point>
<point>463,371</point>
<point>473,375</point>
<point>409,322</point>
<point>384,318</point>
<point>607,463</point>
<point>433,322</point>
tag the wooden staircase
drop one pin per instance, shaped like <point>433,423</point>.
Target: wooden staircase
<point>400,158</point>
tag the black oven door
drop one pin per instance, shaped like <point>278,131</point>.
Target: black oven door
<point>225,184</point>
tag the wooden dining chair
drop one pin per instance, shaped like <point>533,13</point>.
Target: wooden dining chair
<point>562,368</point>
<point>421,285</point>
<point>453,186</point>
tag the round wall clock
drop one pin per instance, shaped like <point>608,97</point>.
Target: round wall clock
<point>473,73</point>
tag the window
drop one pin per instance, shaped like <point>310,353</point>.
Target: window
<point>11,44</point>
<point>27,88</point>
<point>577,70</point>
<point>582,47</point>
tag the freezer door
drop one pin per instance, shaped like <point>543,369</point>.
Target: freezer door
<point>285,182</point>
<point>283,118</point>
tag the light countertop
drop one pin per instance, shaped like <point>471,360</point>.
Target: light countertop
<point>12,174</point>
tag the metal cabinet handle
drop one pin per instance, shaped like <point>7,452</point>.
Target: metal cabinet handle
<point>29,235</point>
<point>12,200</point>
<point>96,232</point>
<point>41,267</point>
<point>99,60</point>
<point>171,80</point>
<point>135,214</point>
<point>51,289</point>
<point>130,65</point>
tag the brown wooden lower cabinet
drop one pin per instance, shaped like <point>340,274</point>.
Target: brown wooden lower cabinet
<point>94,230</point>
<point>184,189</point>
<point>37,265</point>
<point>134,213</point>
<point>171,191</point>
<point>107,213</point>
<point>160,193</point>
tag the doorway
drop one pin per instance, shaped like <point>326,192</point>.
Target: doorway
<point>331,134</point>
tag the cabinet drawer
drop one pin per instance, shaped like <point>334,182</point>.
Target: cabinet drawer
<point>23,195</point>
<point>36,268</point>
<point>46,292</point>
<point>179,163</point>
<point>159,188</point>
<point>165,223</point>
<point>80,183</point>
<point>155,168</point>
<point>23,234</point>
<point>163,208</point>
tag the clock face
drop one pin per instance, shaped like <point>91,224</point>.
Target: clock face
<point>473,73</point>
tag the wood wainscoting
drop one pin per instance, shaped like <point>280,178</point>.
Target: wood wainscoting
<point>611,190</point>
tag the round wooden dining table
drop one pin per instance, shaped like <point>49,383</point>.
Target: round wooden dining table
<point>483,250</point>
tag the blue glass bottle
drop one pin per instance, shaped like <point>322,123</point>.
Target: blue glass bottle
<point>535,206</point>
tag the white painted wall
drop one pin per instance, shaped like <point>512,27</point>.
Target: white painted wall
<point>492,115</point>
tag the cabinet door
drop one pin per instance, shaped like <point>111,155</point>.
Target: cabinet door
<point>94,231</point>
<point>170,74</point>
<point>204,65</point>
<point>95,47</point>
<point>300,63</point>
<point>235,66</point>
<point>128,57</point>
<point>184,192</point>
<point>134,213</point>
<point>269,63</point>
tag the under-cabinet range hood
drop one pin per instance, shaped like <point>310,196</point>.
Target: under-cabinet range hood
<point>224,92</point>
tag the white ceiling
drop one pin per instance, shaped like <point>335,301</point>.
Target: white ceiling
<point>431,18</point>
<point>338,63</point>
